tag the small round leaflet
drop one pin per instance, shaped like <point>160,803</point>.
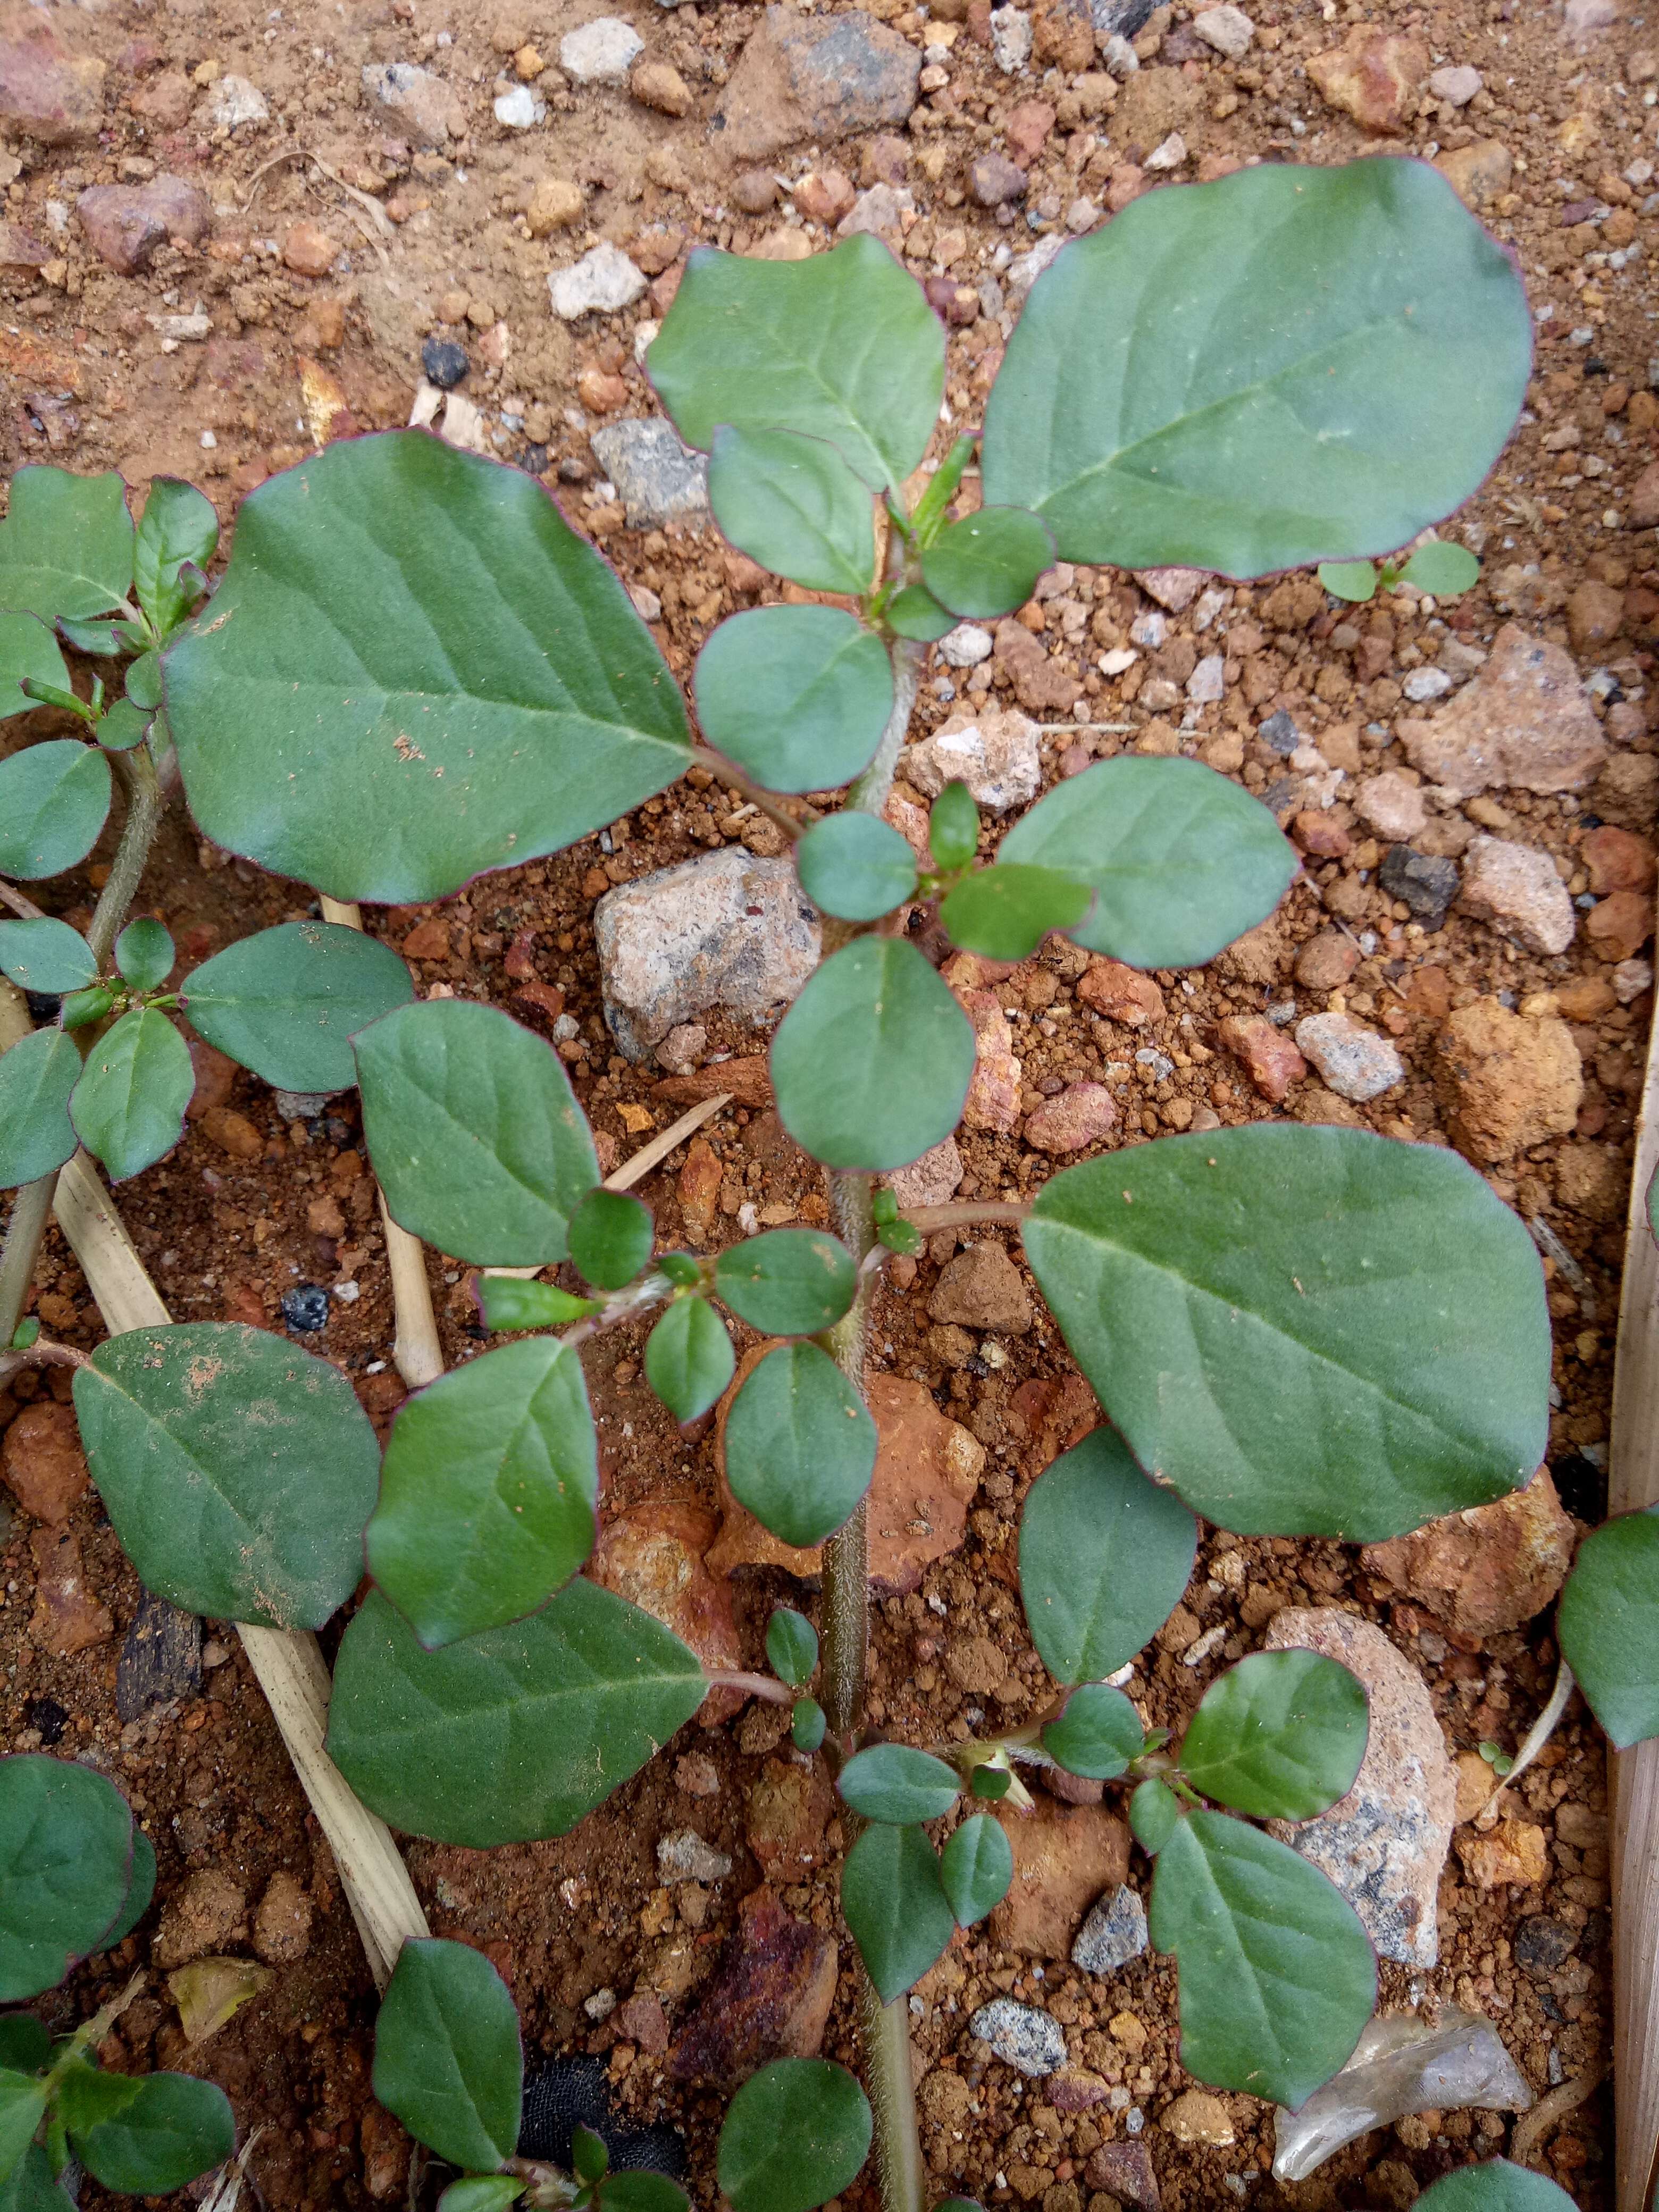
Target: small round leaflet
<point>791,1646</point>
<point>37,1077</point>
<point>65,1865</point>
<point>891,1782</point>
<point>1098,1734</point>
<point>688,1358</point>
<point>610,1239</point>
<point>793,504</point>
<point>892,1898</point>
<point>797,696</point>
<point>800,1446</point>
<point>988,563</point>
<point>128,1105</point>
<point>856,866</point>
<point>286,1001</point>
<point>45,956</point>
<point>1608,1625</point>
<point>144,954</point>
<point>976,1866</point>
<point>787,1282</point>
<point>795,2135</point>
<point>53,800</point>
<point>1280,1735</point>
<point>448,2061</point>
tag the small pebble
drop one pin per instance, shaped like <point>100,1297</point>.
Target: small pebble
<point>305,1308</point>
<point>1022,2036</point>
<point>444,362</point>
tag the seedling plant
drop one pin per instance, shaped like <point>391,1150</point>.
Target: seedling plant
<point>413,672</point>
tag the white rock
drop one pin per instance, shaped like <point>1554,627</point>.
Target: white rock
<point>1022,2036</point>
<point>1119,55</point>
<point>519,109</point>
<point>234,100</point>
<point>1118,661</point>
<point>1207,681</point>
<point>966,646</point>
<point>1425,684</point>
<point>1175,588</point>
<point>1352,1060</point>
<point>996,751</point>
<point>1169,153</point>
<point>880,210</point>
<point>428,109</point>
<point>1228,29</point>
<point>600,52</point>
<point>1517,890</point>
<point>1456,87</point>
<point>600,283</point>
<point>1391,807</point>
<point>657,478</point>
<point>1010,38</point>
<point>1024,272</point>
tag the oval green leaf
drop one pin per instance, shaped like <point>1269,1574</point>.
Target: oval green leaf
<point>976,1867</point>
<point>1495,2185</point>
<point>171,2129</point>
<point>448,2061</point>
<point>65,1867</point>
<point>238,1469</point>
<point>1608,1625</point>
<point>841,346</point>
<point>30,2187</point>
<point>893,1900</point>
<point>793,504</point>
<point>854,866</point>
<point>286,1001</point>
<point>481,2192</point>
<point>513,1735</point>
<point>508,1302</point>
<point>1005,912</point>
<point>178,525</point>
<point>53,800</point>
<point>893,1783</point>
<point>988,563</point>
<point>128,1105</point>
<point>28,649</point>
<point>487,1493</point>
<point>787,1282</point>
<point>143,954</point>
<point>800,1446</point>
<point>902,1048</point>
<point>1353,580</point>
<point>916,614</point>
<point>1303,1331</point>
<point>953,827</point>
<point>610,1237</point>
<point>1104,1557</point>
<point>791,1646</point>
<point>1292,365</point>
<point>1098,1734</point>
<point>1280,1735</point>
<point>142,683</point>
<point>807,1723</point>
<point>122,727</point>
<point>65,545</point>
<point>45,956</point>
<point>1181,862</point>
<point>1154,1813</point>
<point>689,1359</point>
<point>1277,1977</point>
<point>412,671</point>
<point>794,2136</point>
<point>797,696</point>
<point>474,1131</point>
<point>36,1075</point>
<point>1443,568</point>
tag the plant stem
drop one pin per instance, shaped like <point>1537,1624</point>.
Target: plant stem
<point>31,1210</point>
<point>704,755</point>
<point>884,2038</point>
<point>753,1686</point>
<point>869,793</point>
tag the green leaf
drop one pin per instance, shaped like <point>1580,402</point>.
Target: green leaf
<point>797,696</point>
<point>683,1269</point>
<point>122,727</point>
<point>791,1646</point>
<point>953,828</point>
<point>488,1492</point>
<point>807,1723</point>
<point>1181,861</point>
<point>1104,1557</point>
<point>25,2045</point>
<point>793,504</point>
<point>103,639</point>
<point>238,1469</point>
<point>286,1001</point>
<point>53,800</point>
<point>1005,912</point>
<point>611,1236</point>
<point>448,2061</point>
<point>1353,581</point>
<point>1303,1331</point>
<point>1442,568</point>
<point>36,1075</point>
<point>143,954</point>
<point>45,956</point>
<point>640,2191</point>
<point>988,563</point>
<point>1494,2186</point>
<point>474,1131</point>
<point>509,1302</point>
<point>85,2095</point>
<point>991,1783</point>
<point>902,1048</point>
<point>794,2136</point>
<point>1277,1978</point>
<point>787,1282</point>
<point>842,346</point>
<point>1293,364</point>
<point>141,1892</point>
<point>915,613</point>
<point>179,525</point>
<point>588,2156</point>
<point>1280,1735</point>
<point>800,1446</point>
<point>892,1782</point>
<point>893,1900</point>
<point>1154,1813</point>
<point>1098,1734</point>
<point>976,1867</point>
<point>689,1359</point>
<point>483,2192</point>
<point>142,683</point>
<point>65,545</point>
<point>1608,1625</point>
<point>855,866</point>
<point>129,1104</point>
<point>22,2105</point>
<point>174,2128</point>
<point>28,649</point>
<point>413,670</point>
<point>82,1008</point>
<point>512,1736</point>
<point>30,2187</point>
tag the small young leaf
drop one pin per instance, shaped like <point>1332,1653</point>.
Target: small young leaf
<point>1442,568</point>
<point>238,1470</point>
<point>103,639</point>
<point>23,2103</point>
<point>286,1001</point>
<point>25,2043</point>
<point>988,563</point>
<point>892,1782</point>
<point>82,1007</point>
<point>1277,1977</point>
<point>798,696</point>
<point>28,649</point>
<point>915,613</point>
<point>142,683</point>
<point>856,866</point>
<point>893,1900</point>
<point>36,1075</point>
<point>610,1239</point>
<point>1104,1557</point>
<point>474,1131</point>
<point>976,1867</point>
<point>1005,912</point>
<point>807,1723</point>
<point>179,525</point>
<point>689,1359</point>
<point>1495,2185</point>
<point>793,504</point>
<point>791,1646</point>
<point>990,1783</point>
<point>483,2192</point>
<point>122,727</point>
<point>65,545</point>
<point>65,1863</point>
<point>448,2061</point>
<point>509,1302</point>
<point>1353,581</point>
<point>1098,1734</point>
<point>486,1491</point>
<point>800,1446</point>
<point>1280,1735</point>
<point>588,2156</point>
<point>902,1048</point>
<point>1153,1812</point>
<point>794,2136</point>
<point>174,2129</point>
<point>45,956</point>
<point>53,800</point>
<point>787,1282</point>
<point>684,1269</point>
<point>640,2191</point>
<point>144,954</point>
<point>953,827</point>
<point>1608,1625</point>
<point>128,1105</point>
<point>511,1735</point>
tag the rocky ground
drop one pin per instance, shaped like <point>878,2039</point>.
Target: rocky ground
<point>229,237</point>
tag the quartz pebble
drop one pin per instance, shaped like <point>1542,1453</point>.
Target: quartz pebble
<point>1113,1933</point>
<point>1021,2036</point>
<point>601,51</point>
<point>601,282</point>
<point>1353,1061</point>
<point>1517,889</point>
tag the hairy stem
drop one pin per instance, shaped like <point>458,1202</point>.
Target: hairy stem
<point>869,793</point>
<point>31,1210</point>
<point>885,2039</point>
<point>767,802</point>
